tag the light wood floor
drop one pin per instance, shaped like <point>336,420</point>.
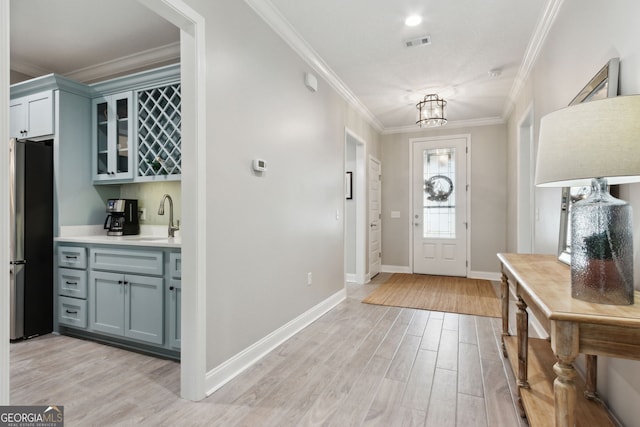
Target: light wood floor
<point>359,364</point>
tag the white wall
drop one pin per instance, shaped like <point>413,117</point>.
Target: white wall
<point>585,35</point>
<point>488,195</point>
<point>265,233</point>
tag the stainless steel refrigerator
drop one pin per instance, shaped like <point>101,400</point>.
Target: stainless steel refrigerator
<point>31,239</point>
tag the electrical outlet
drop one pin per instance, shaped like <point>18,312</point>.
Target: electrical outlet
<point>143,214</point>
<point>309,279</point>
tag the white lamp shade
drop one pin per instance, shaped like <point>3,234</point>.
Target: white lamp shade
<point>597,139</point>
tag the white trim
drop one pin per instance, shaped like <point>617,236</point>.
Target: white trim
<point>361,208</point>
<point>157,55</point>
<point>467,137</point>
<point>4,207</point>
<point>278,23</point>
<point>539,36</point>
<point>395,269</point>
<point>527,121</point>
<point>194,185</point>
<point>487,121</point>
<point>237,364</point>
<point>359,279</point>
<point>485,275</point>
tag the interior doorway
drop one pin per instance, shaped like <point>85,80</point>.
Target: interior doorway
<point>354,210</point>
<point>525,199</point>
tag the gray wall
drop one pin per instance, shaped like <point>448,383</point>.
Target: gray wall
<point>488,195</point>
<point>265,233</point>
<point>585,35</point>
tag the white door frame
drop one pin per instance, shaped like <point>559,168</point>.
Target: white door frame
<point>193,367</point>
<point>4,207</point>
<point>410,225</point>
<point>525,202</point>
<point>359,191</point>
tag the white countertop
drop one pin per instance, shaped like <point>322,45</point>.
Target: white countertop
<point>151,235</point>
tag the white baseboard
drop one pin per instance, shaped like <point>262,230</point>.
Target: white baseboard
<point>354,278</point>
<point>485,275</point>
<point>225,372</point>
<point>395,269</point>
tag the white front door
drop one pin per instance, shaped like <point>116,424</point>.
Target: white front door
<point>375,215</point>
<point>440,206</point>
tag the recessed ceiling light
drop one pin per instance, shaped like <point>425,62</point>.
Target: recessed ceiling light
<point>413,20</point>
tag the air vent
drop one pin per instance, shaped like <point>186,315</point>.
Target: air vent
<point>420,41</point>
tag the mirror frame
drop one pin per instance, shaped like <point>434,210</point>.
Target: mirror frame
<point>603,85</point>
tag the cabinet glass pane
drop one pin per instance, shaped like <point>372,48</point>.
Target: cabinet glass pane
<point>439,194</point>
<point>101,132</point>
<point>123,146</point>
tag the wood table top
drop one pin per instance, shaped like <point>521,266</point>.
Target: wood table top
<point>548,282</point>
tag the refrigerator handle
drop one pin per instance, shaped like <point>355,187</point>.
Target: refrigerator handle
<point>18,262</point>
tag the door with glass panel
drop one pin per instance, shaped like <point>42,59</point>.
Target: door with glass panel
<point>440,206</point>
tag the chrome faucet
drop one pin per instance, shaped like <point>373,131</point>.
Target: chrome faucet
<point>172,228</point>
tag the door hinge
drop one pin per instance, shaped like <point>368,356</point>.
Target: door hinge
<point>380,254</point>
<point>466,263</point>
<point>466,150</point>
<point>379,216</point>
<point>467,187</point>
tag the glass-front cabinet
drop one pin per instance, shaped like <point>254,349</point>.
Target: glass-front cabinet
<point>112,127</point>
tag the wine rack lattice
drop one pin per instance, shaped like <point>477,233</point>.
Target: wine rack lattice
<point>159,136</point>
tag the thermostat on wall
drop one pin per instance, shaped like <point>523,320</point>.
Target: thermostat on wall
<point>259,165</point>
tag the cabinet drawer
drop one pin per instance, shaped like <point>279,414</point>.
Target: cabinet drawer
<point>175,265</point>
<point>127,261</point>
<point>72,256</point>
<point>72,283</point>
<point>72,312</point>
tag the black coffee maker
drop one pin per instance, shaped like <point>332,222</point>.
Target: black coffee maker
<point>122,218</point>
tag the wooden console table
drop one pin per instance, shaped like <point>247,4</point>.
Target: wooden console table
<point>550,391</point>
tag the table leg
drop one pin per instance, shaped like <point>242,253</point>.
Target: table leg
<point>564,341</point>
<point>592,377</point>
<point>522,323</point>
<point>505,311</point>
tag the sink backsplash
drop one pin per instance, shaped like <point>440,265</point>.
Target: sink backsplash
<point>149,195</point>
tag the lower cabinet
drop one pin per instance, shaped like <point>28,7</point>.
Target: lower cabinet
<point>122,295</point>
<point>175,301</point>
<point>128,305</point>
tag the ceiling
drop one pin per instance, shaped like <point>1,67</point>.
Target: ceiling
<point>360,42</point>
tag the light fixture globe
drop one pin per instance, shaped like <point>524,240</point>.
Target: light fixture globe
<point>431,111</point>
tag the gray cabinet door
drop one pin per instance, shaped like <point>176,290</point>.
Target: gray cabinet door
<point>175,300</point>
<point>106,302</point>
<point>144,313</point>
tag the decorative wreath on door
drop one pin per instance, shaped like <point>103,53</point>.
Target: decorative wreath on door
<point>439,188</point>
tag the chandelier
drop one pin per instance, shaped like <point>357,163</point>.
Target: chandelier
<point>431,111</point>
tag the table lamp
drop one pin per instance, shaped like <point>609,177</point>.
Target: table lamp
<point>595,143</point>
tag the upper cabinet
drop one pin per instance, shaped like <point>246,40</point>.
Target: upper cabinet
<point>136,128</point>
<point>158,133</point>
<point>31,116</point>
<point>112,130</point>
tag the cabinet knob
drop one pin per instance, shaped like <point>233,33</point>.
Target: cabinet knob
<point>120,282</point>
<point>171,288</point>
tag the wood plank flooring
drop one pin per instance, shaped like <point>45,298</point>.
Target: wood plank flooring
<point>359,365</point>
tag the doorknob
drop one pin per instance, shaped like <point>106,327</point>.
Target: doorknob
<point>373,224</point>
<point>417,224</point>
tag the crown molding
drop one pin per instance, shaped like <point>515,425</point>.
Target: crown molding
<point>159,55</point>
<point>536,42</point>
<point>28,69</point>
<point>487,121</point>
<point>278,23</point>
<point>124,65</point>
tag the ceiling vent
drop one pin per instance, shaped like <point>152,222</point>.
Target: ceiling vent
<point>420,41</point>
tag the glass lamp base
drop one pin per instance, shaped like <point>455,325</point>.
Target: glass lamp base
<point>602,248</point>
